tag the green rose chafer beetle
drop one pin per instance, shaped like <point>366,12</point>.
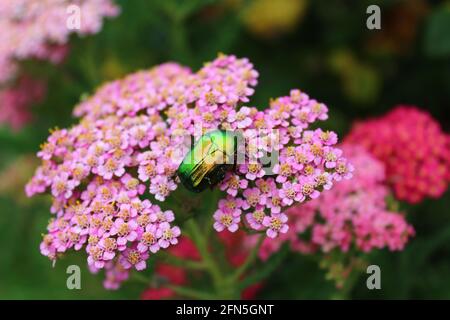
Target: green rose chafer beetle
<point>208,160</point>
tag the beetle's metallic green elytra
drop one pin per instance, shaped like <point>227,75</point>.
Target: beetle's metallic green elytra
<point>209,159</point>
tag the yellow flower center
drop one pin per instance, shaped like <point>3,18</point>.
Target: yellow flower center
<point>111,165</point>
<point>240,116</point>
<point>303,116</point>
<point>163,189</point>
<point>208,117</point>
<point>98,150</point>
<point>264,187</point>
<point>325,135</point>
<point>74,237</point>
<point>148,238</point>
<point>114,141</point>
<point>92,161</point>
<point>321,180</point>
<point>110,244</point>
<point>47,239</point>
<point>226,220</point>
<point>134,256</point>
<point>253,168</point>
<point>150,170</point>
<point>96,253</point>
<point>124,214</point>
<point>105,193</point>
<point>60,186</point>
<point>118,154</point>
<point>210,98</point>
<point>107,224</point>
<point>317,108</point>
<point>93,240</point>
<point>260,123</point>
<point>341,168</point>
<point>77,173</point>
<point>330,157</point>
<point>140,134</point>
<point>300,157</point>
<point>230,205</point>
<point>285,169</point>
<point>167,234</point>
<point>143,220</point>
<point>123,230</point>
<point>96,222</point>
<point>83,221</point>
<point>307,189</point>
<point>253,200</point>
<point>275,224</point>
<point>233,183</point>
<point>309,170</point>
<point>290,151</point>
<point>290,193</point>
<point>276,201</point>
<point>316,150</point>
<point>258,215</point>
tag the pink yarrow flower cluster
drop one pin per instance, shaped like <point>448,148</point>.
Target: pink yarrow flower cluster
<point>107,172</point>
<point>307,164</point>
<point>353,214</point>
<point>38,28</point>
<point>15,101</point>
<point>414,149</point>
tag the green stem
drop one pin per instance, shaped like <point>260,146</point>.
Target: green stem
<point>89,65</point>
<point>344,293</point>
<point>249,261</point>
<point>138,277</point>
<point>180,45</point>
<point>186,264</point>
<point>202,246</point>
<point>214,200</point>
<point>183,291</point>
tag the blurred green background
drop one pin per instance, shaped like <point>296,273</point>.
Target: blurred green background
<point>321,47</point>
